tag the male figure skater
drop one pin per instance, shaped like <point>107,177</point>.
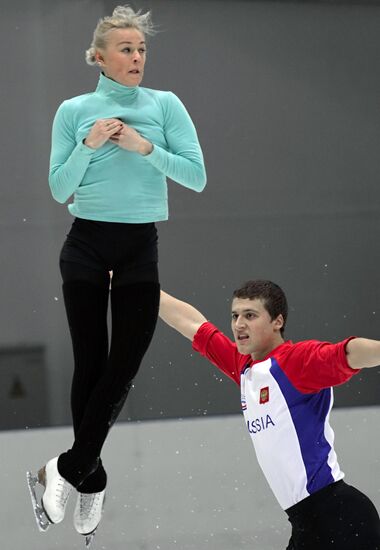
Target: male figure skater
<point>286,398</point>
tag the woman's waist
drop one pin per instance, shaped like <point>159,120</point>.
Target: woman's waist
<point>97,235</point>
<point>123,207</point>
<point>85,224</point>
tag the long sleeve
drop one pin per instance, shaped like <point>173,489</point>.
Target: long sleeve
<point>183,163</point>
<point>68,160</point>
<point>114,184</point>
<point>312,365</point>
<point>220,351</point>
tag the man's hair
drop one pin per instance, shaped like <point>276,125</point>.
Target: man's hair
<point>272,295</point>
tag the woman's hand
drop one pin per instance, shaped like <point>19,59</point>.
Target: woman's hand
<point>101,132</point>
<point>128,138</point>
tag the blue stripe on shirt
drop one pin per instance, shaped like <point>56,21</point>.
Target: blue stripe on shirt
<point>308,412</point>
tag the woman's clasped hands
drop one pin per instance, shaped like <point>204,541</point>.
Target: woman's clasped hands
<point>114,130</point>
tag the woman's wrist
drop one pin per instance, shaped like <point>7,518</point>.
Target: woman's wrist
<point>145,148</point>
<point>85,142</point>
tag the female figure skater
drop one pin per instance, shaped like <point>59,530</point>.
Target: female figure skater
<point>112,149</point>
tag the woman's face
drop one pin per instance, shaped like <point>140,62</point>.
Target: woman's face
<point>123,59</point>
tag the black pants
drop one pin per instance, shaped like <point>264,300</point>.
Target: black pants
<point>339,517</point>
<point>103,373</point>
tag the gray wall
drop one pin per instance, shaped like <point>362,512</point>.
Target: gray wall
<point>285,99</point>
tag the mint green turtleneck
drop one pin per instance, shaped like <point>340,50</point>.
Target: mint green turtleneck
<point>111,183</point>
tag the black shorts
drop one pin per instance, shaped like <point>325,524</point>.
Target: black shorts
<point>338,517</point>
<point>94,248</point>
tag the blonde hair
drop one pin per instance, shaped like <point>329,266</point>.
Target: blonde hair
<point>123,17</point>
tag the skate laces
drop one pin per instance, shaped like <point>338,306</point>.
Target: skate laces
<point>88,504</point>
<point>63,492</point>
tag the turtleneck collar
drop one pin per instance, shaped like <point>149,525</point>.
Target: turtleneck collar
<point>115,90</point>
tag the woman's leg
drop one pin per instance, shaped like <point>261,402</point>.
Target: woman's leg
<point>85,294</point>
<point>134,315</point>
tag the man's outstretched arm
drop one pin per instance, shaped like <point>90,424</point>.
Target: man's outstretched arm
<point>180,315</point>
<point>363,353</point>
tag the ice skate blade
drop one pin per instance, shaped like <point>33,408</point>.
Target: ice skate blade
<point>89,538</point>
<point>42,521</point>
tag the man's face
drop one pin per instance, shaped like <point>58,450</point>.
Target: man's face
<point>254,331</point>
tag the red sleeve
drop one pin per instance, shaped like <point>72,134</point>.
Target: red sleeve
<point>220,350</point>
<point>312,365</point>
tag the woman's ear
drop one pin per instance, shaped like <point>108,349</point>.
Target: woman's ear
<point>99,59</point>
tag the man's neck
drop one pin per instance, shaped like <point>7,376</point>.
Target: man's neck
<point>262,354</point>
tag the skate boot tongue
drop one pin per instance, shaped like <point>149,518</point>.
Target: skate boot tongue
<point>88,512</point>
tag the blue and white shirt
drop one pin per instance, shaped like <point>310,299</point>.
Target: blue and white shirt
<point>286,400</point>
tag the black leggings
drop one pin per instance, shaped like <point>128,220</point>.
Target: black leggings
<point>339,517</point>
<point>103,374</point>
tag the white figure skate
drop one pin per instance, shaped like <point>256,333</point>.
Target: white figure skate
<point>88,513</point>
<point>52,505</point>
